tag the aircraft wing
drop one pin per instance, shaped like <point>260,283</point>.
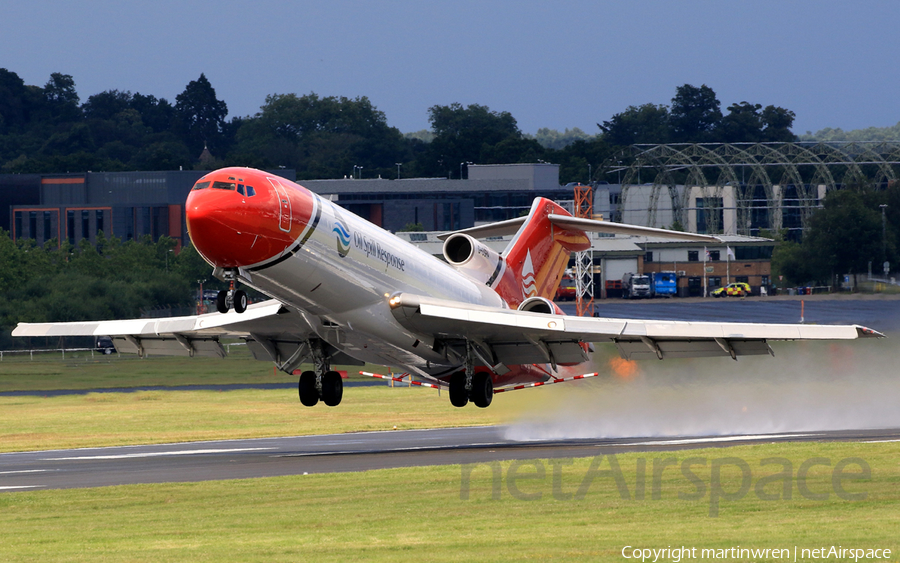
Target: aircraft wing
<point>517,337</point>
<point>269,328</point>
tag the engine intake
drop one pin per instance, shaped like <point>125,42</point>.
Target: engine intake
<point>473,258</point>
<point>540,305</point>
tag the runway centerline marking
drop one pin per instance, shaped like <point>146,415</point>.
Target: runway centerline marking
<point>718,439</point>
<point>23,471</point>
<point>153,454</point>
<point>20,487</point>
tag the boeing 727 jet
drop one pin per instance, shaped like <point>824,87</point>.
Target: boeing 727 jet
<point>345,292</point>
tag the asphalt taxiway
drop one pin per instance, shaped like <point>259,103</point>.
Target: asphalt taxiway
<point>270,457</point>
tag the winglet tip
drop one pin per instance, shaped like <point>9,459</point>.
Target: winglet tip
<point>865,332</point>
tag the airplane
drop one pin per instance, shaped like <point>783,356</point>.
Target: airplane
<point>345,292</point>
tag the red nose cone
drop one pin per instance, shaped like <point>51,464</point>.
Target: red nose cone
<point>239,218</point>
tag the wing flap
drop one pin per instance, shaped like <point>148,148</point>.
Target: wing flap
<point>512,353</point>
<point>670,349</point>
<point>161,346</point>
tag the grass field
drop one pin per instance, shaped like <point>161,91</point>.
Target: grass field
<point>417,514</point>
<point>146,417</point>
<point>82,370</point>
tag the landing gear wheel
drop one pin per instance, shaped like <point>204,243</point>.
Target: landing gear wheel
<point>240,301</point>
<point>458,395</point>
<point>309,395</point>
<point>332,388</point>
<point>222,301</point>
<point>482,389</point>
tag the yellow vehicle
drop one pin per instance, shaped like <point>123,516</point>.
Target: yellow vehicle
<point>738,289</point>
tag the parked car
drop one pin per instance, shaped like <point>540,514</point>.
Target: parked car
<point>105,345</point>
<point>566,291</point>
<point>737,289</point>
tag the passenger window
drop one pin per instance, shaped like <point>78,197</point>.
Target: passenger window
<point>250,191</point>
<point>201,185</point>
<point>223,185</point>
<point>240,189</point>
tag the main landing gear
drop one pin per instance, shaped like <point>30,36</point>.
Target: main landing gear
<point>225,300</point>
<point>481,392</point>
<point>469,385</point>
<point>323,383</point>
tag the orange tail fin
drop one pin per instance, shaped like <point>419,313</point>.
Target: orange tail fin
<point>538,255</point>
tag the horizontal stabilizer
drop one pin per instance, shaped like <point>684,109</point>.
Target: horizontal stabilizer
<point>512,226</point>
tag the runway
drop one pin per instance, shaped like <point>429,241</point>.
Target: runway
<point>271,457</point>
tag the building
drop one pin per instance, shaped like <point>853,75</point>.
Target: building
<point>75,207</point>
<point>739,259</point>
<point>493,192</point>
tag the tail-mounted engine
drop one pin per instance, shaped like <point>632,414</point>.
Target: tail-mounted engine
<point>473,258</point>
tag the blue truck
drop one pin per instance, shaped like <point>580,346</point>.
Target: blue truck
<point>665,284</point>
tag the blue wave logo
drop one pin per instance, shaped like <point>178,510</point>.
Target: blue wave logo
<point>342,235</point>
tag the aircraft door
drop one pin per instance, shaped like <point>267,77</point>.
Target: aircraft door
<point>284,205</point>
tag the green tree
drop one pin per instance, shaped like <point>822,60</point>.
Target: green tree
<point>777,123</point>
<point>553,139</point>
<point>17,102</point>
<point>202,116</point>
<point>465,134</point>
<point>322,137</point>
<point>843,236</point>
<point>695,114</point>
<point>648,123</point>
<point>156,113</point>
<point>743,124</point>
<point>61,99</point>
<point>582,158</point>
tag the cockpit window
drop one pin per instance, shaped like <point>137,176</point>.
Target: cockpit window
<point>201,185</point>
<point>223,185</point>
<point>250,191</point>
<point>246,190</point>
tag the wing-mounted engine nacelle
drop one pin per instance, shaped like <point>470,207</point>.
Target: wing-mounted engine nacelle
<point>473,258</point>
<point>540,305</point>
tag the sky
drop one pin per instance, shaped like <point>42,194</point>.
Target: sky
<point>550,64</point>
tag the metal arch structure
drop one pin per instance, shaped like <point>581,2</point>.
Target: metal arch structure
<point>746,169</point>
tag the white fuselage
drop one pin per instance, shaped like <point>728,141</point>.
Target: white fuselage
<point>342,277</point>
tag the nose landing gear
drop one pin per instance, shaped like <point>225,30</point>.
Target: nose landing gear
<point>225,300</point>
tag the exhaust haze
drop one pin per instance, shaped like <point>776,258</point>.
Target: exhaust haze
<point>808,386</point>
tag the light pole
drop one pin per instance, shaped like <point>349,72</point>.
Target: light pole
<point>883,206</point>
<point>399,164</point>
<point>589,174</point>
